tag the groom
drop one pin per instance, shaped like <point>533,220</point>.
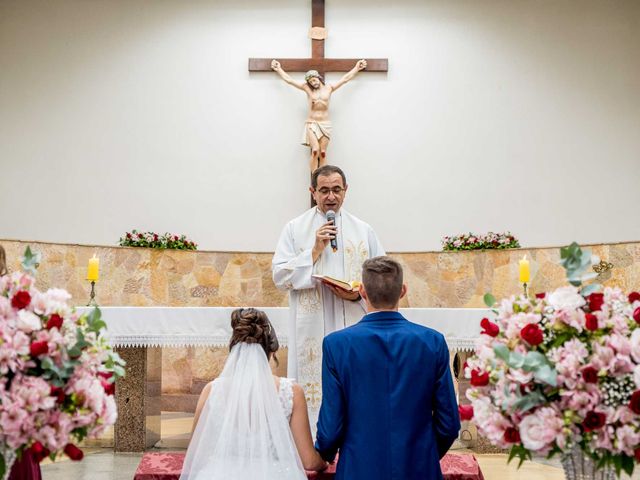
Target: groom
<point>388,402</point>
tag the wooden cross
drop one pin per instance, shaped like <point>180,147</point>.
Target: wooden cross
<point>318,61</point>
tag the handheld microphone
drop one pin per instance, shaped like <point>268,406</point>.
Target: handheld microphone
<point>331,217</point>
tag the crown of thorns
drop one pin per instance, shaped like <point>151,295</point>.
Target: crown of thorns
<point>311,74</point>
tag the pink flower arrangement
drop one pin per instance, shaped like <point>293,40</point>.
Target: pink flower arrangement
<point>57,373</point>
<point>560,371</point>
<point>154,240</point>
<point>471,241</point>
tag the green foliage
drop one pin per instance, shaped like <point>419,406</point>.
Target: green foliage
<point>56,375</point>
<point>520,452</point>
<point>115,364</point>
<point>533,361</point>
<point>94,321</point>
<point>621,463</point>
<point>529,401</point>
<point>30,261</point>
<point>80,433</point>
<point>576,261</point>
<point>489,300</point>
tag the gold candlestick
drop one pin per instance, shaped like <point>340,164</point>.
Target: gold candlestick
<point>524,286</point>
<point>92,295</point>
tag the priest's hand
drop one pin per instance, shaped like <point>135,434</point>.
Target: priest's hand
<point>323,236</point>
<point>343,294</point>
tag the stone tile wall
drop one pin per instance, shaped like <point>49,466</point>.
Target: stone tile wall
<point>145,277</point>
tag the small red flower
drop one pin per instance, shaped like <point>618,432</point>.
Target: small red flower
<point>511,435</point>
<point>593,421</point>
<point>489,328</point>
<point>36,448</point>
<point>479,379</point>
<point>39,452</point>
<point>58,393</point>
<point>590,374</point>
<point>140,235</point>
<point>591,322</point>
<point>109,388</point>
<point>465,412</point>
<point>128,235</point>
<point>55,320</point>
<point>21,300</point>
<point>532,334</point>
<point>634,403</point>
<point>105,375</point>
<point>636,315</point>
<point>540,296</point>
<point>38,348</point>
<point>636,453</point>
<point>634,297</point>
<point>595,301</point>
<point>73,452</point>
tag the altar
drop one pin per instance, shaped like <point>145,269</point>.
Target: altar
<point>139,333</point>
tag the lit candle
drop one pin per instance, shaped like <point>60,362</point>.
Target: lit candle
<point>525,274</point>
<point>93,268</point>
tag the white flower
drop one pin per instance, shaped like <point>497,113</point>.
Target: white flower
<point>566,298</point>
<point>28,321</point>
<point>58,295</point>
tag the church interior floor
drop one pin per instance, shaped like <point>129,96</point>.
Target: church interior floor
<point>101,463</point>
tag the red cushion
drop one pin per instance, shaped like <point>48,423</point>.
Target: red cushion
<point>160,466</point>
<point>167,466</point>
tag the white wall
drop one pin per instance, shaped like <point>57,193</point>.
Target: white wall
<point>495,115</point>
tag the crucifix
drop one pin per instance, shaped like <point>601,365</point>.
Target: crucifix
<point>317,130</point>
<point>318,62</point>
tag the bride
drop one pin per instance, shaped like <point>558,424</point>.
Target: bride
<point>249,423</point>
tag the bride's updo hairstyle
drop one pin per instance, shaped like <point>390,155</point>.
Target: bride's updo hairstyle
<point>253,326</point>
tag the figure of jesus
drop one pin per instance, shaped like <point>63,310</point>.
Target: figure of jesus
<point>317,128</point>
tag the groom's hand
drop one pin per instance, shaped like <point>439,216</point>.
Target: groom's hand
<point>344,294</point>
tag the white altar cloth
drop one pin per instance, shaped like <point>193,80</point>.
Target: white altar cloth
<point>210,326</point>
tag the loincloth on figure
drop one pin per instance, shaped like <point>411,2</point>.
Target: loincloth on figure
<point>317,129</point>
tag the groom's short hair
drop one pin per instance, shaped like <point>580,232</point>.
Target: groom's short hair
<point>382,279</point>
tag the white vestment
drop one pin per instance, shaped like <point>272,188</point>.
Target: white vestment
<point>314,310</point>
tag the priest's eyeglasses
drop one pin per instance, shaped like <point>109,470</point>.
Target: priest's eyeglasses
<point>324,191</point>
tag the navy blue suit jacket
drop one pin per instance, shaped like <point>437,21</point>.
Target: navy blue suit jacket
<point>388,402</point>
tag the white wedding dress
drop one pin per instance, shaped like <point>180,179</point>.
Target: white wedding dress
<point>243,431</point>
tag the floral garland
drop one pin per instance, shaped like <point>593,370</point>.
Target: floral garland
<point>561,371</point>
<point>471,241</point>
<point>153,240</point>
<point>57,372</point>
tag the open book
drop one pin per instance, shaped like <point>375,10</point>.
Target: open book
<point>348,286</point>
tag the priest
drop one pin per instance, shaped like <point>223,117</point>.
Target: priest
<point>304,249</point>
